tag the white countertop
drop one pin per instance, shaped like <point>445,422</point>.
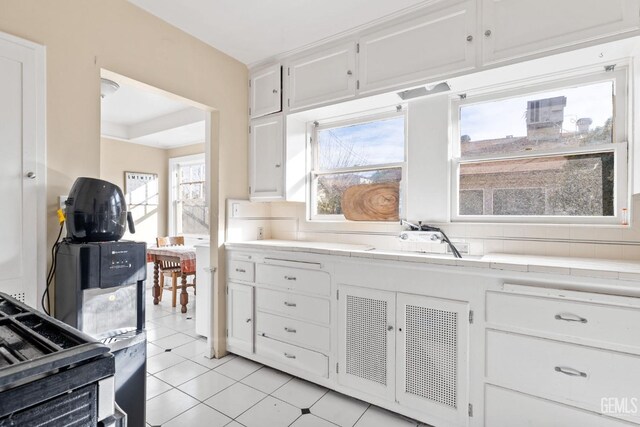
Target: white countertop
<point>585,267</point>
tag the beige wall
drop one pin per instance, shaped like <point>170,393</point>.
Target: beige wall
<point>83,36</point>
<point>118,157</point>
<point>187,150</point>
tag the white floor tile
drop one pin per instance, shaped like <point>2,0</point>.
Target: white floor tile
<point>378,417</point>
<point>191,349</point>
<point>236,399</point>
<point>162,361</point>
<point>153,349</point>
<point>339,409</point>
<point>270,412</point>
<point>238,368</point>
<point>168,405</point>
<point>310,420</point>
<point>173,341</point>
<point>159,332</point>
<point>206,385</point>
<point>234,424</point>
<point>199,416</point>
<point>267,380</point>
<point>212,363</point>
<point>156,387</point>
<point>300,393</point>
<point>181,373</point>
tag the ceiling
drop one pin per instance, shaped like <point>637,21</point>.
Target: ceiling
<point>254,30</point>
<point>143,117</point>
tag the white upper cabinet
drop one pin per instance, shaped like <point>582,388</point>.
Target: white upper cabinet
<point>265,91</point>
<point>325,76</point>
<point>516,28</point>
<point>266,156</point>
<point>435,44</point>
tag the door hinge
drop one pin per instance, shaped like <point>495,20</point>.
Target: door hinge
<point>357,47</point>
<point>288,102</point>
<point>357,84</point>
<point>338,294</point>
<point>470,316</point>
<point>337,368</point>
<point>288,71</point>
<point>226,331</point>
<point>249,129</point>
<point>249,110</point>
<point>249,82</point>
<point>470,410</point>
<point>249,193</point>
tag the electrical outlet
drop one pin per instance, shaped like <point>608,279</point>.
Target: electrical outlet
<point>260,233</point>
<point>235,209</point>
<point>62,199</point>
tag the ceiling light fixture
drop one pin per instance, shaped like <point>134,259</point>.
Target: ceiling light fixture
<point>108,87</point>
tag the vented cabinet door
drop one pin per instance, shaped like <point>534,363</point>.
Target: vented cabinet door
<point>366,333</point>
<point>432,357</point>
<point>240,323</point>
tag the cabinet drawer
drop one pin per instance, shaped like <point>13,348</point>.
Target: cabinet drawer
<point>599,323</point>
<point>241,270</point>
<point>295,279</point>
<point>293,331</point>
<point>507,408</point>
<point>296,357</point>
<point>567,373</point>
<point>294,305</point>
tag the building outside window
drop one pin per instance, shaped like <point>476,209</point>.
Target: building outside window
<point>189,212</point>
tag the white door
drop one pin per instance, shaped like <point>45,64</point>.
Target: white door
<point>240,317</point>
<point>326,76</point>
<point>265,94</point>
<point>266,157</point>
<point>432,357</point>
<point>366,346</point>
<point>516,28</point>
<point>21,177</point>
<point>438,43</point>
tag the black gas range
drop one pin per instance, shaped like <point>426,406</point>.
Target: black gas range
<point>50,373</point>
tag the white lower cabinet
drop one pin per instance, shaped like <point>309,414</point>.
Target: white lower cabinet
<point>240,324</point>
<point>432,356</point>
<point>406,348</point>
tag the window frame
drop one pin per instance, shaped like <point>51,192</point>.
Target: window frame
<point>619,146</point>
<point>174,164</point>
<point>314,172</point>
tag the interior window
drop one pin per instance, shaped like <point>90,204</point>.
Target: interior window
<point>543,154</point>
<point>359,163</point>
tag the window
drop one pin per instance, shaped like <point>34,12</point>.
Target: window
<point>189,213</point>
<point>358,169</point>
<point>555,154</point>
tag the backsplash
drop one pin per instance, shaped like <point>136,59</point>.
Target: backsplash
<point>286,221</point>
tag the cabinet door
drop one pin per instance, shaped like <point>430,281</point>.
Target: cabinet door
<point>325,76</point>
<point>265,91</point>
<point>266,153</point>
<point>432,356</point>
<point>418,50</point>
<point>516,28</point>
<point>240,328</point>
<point>366,334</point>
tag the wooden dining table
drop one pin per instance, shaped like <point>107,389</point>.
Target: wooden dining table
<point>185,256</point>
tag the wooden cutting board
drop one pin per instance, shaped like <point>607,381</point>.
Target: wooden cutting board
<point>372,202</point>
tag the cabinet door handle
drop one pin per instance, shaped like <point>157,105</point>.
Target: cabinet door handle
<point>241,270</point>
<point>278,165</point>
<point>290,330</point>
<point>349,73</point>
<point>487,33</point>
<point>571,372</point>
<point>249,320</point>
<point>290,277</point>
<point>290,304</point>
<point>275,91</point>
<point>568,317</point>
<point>290,356</point>
<point>469,38</point>
<point>389,328</point>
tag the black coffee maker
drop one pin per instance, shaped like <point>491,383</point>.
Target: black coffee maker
<point>100,283</point>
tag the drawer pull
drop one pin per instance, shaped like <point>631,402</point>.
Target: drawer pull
<point>571,372</point>
<point>568,317</point>
<point>249,320</point>
<point>290,277</point>
<point>290,304</point>
<point>290,356</point>
<point>290,330</point>
<point>241,270</point>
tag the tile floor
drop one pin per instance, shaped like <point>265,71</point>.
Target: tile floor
<point>186,389</point>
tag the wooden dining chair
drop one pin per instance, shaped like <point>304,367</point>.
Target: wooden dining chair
<point>172,269</point>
